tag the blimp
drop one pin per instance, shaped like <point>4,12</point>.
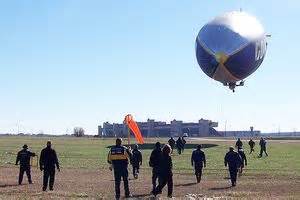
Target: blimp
<point>231,47</point>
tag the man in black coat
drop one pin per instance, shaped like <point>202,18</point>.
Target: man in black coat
<point>198,161</point>
<point>183,144</point>
<point>263,146</point>
<point>48,161</point>
<point>171,142</point>
<point>234,161</point>
<point>239,143</point>
<point>165,174</point>
<point>136,161</point>
<point>244,159</point>
<point>179,145</point>
<point>251,144</point>
<point>154,163</point>
<point>24,158</point>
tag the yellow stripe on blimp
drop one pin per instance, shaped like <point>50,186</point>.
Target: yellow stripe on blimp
<point>221,58</point>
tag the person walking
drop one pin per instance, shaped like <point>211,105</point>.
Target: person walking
<point>244,160</point>
<point>263,147</point>
<point>24,157</point>
<point>251,144</point>
<point>155,158</point>
<point>136,161</point>
<point>183,144</point>
<point>172,143</point>
<point>48,162</point>
<point>198,160</point>
<point>119,157</point>
<point>179,145</point>
<point>239,143</point>
<point>233,160</point>
<point>165,173</point>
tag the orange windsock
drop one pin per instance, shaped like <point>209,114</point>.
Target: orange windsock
<point>134,128</point>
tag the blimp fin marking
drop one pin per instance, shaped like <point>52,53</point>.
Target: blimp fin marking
<point>223,75</point>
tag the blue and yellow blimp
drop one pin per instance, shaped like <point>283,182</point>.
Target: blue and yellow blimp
<point>231,47</point>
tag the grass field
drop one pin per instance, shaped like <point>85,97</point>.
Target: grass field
<point>85,175</point>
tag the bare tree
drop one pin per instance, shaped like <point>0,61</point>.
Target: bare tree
<point>78,132</point>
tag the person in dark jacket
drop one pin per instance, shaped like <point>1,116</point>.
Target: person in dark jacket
<point>179,145</point>
<point>165,173</point>
<point>251,144</point>
<point>24,158</point>
<point>48,162</point>
<point>233,160</point>
<point>244,160</point>
<point>239,144</point>
<point>263,146</point>
<point>198,161</point>
<point>119,157</point>
<point>155,158</point>
<point>183,143</point>
<point>136,161</point>
<point>172,143</point>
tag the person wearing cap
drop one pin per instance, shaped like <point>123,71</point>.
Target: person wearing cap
<point>234,161</point>
<point>119,157</point>
<point>244,159</point>
<point>48,161</point>
<point>165,174</point>
<point>154,163</point>
<point>198,161</point>
<point>136,160</point>
<point>24,158</point>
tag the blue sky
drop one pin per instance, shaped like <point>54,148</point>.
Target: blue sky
<point>81,63</point>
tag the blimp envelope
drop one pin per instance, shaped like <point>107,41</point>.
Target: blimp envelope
<point>231,46</point>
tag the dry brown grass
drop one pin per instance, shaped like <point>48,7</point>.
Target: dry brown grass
<point>99,184</point>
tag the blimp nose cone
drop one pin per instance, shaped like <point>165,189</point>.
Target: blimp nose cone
<point>221,57</point>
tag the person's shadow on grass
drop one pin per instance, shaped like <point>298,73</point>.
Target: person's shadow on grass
<point>143,196</point>
<point>185,184</point>
<point>220,188</point>
<point>9,185</point>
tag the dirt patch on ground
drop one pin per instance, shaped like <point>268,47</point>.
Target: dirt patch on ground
<point>99,184</point>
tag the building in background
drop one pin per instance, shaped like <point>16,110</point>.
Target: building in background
<point>152,128</point>
<point>240,134</point>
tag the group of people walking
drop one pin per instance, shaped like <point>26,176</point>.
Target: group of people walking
<point>48,161</point>
<point>262,144</point>
<point>236,161</point>
<point>160,160</point>
<point>161,163</point>
<point>179,144</point>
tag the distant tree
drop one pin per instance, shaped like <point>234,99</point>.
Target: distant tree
<point>78,132</point>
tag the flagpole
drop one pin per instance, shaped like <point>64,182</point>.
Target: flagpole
<point>128,136</point>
